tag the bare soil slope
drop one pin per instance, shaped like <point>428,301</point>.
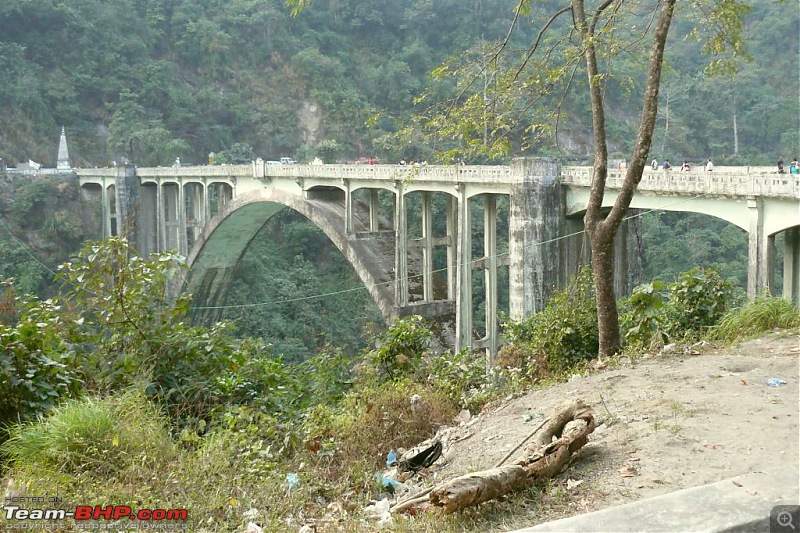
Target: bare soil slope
<point>667,422</point>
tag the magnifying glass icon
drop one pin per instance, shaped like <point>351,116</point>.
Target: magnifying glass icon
<point>784,519</point>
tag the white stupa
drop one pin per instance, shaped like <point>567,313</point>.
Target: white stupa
<point>62,163</point>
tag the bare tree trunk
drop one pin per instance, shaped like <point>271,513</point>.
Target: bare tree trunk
<point>607,316</point>
<point>601,229</point>
<point>570,424</point>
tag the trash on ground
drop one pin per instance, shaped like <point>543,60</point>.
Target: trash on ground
<point>420,457</point>
<point>292,480</point>
<point>380,511</point>
<point>572,483</point>
<point>775,382</point>
<point>391,459</point>
<point>252,527</point>
<point>387,483</point>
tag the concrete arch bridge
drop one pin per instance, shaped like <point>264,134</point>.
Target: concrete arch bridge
<point>212,213</point>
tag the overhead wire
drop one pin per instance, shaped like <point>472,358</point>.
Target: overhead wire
<point>360,287</point>
<point>417,276</point>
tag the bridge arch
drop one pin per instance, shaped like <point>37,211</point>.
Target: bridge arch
<point>224,240</point>
<point>729,210</point>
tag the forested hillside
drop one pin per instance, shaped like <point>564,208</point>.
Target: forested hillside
<point>153,80</point>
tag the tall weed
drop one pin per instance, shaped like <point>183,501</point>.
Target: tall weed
<point>762,314</point>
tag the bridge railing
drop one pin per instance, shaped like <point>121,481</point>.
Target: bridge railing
<point>437,173</point>
<point>723,181</point>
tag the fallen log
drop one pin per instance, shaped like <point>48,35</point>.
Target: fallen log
<point>570,425</point>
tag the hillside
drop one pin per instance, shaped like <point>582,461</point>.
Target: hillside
<point>152,80</point>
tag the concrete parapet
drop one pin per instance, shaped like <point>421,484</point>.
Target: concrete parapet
<point>741,503</point>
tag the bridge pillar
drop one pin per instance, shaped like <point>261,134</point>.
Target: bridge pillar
<point>133,210</point>
<point>171,219</point>
<point>450,227</point>
<point>546,249</point>
<point>401,247</point>
<point>183,249</point>
<point>126,190</point>
<point>147,223</point>
<point>490,262</point>
<point>463,254</point>
<point>427,248</point>
<point>374,210</point>
<point>348,208</point>
<point>161,235</point>
<point>536,219</point>
<point>195,211</point>
<point>108,201</point>
<point>791,265</point>
<point>760,252</point>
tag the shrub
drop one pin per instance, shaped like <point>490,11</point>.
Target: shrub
<point>137,332</point>
<point>359,431</point>
<point>697,300</point>
<point>463,377</point>
<point>642,316</point>
<point>762,314</point>
<point>38,360</point>
<point>400,348</point>
<point>562,335</point>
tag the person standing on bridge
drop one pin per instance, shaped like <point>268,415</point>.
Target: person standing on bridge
<point>780,164</point>
<point>794,168</point>
<point>709,166</point>
<point>654,164</point>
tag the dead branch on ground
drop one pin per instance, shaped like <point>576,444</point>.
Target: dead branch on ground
<point>570,424</point>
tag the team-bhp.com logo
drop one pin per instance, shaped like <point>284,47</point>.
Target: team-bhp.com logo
<point>86,513</point>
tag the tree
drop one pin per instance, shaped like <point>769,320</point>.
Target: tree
<point>602,230</point>
<point>522,108</point>
<point>525,104</point>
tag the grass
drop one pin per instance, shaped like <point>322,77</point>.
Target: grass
<point>99,436</point>
<point>762,314</point>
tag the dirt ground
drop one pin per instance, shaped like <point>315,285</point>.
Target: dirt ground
<point>665,423</point>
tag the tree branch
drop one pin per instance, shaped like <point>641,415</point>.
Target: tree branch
<point>647,124</point>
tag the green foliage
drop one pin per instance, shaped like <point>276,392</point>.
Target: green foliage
<point>642,315</point>
<point>560,336</point>
<point>38,359</point>
<point>237,154</point>
<point>762,314</point>
<point>99,437</point>
<point>27,198</point>
<point>254,440</point>
<point>463,376</point>
<point>697,300</point>
<point>325,377</point>
<point>401,348</point>
<point>187,78</point>
<point>140,335</point>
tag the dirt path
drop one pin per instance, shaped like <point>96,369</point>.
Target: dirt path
<point>666,423</point>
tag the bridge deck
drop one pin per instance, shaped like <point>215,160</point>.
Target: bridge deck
<point>723,181</point>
